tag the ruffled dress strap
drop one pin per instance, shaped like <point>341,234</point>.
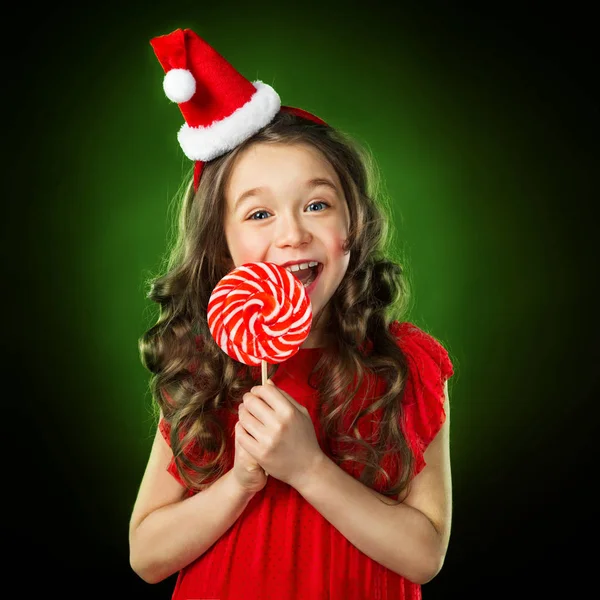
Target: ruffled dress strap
<point>429,366</point>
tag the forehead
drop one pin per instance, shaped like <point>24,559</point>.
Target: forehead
<point>277,166</point>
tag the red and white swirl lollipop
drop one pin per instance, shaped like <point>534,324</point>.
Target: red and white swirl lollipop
<point>259,313</point>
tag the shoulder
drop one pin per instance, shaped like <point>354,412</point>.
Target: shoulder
<point>421,349</point>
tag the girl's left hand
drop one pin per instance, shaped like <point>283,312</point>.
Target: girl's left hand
<point>279,434</point>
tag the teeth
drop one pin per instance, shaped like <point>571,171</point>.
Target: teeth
<point>293,268</point>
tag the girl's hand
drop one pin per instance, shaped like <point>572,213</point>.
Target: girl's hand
<point>278,434</point>
<point>248,473</point>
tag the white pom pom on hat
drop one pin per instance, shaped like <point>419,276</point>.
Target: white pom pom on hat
<point>179,85</point>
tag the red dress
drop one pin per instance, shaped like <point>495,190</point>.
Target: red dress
<point>281,548</point>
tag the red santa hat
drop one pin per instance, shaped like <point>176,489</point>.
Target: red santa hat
<point>221,108</point>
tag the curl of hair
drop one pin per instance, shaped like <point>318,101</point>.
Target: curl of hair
<point>202,379</point>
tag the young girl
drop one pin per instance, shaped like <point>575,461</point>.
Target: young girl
<point>352,430</point>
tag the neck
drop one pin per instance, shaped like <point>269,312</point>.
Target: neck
<point>318,336</point>
<point>315,339</point>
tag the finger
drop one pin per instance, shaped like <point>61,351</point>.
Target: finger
<point>250,423</point>
<point>274,398</point>
<point>285,396</point>
<point>246,441</point>
<point>239,431</point>
<point>259,408</point>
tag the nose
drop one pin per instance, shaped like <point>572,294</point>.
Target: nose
<point>292,232</point>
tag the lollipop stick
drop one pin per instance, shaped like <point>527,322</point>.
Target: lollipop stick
<point>264,371</point>
<point>263,368</point>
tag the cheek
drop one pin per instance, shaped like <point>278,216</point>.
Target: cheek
<point>245,247</point>
<point>337,242</point>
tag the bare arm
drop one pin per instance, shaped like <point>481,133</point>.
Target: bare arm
<point>168,532</point>
<point>409,538</point>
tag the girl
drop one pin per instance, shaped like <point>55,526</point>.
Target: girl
<point>352,430</point>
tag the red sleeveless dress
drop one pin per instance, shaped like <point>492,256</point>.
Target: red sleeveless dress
<point>281,548</point>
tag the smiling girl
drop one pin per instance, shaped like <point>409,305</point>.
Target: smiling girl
<point>353,429</point>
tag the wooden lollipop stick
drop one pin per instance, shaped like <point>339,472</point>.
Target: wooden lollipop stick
<point>264,371</point>
<point>263,368</point>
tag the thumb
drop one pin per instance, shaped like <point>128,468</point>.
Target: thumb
<point>294,402</point>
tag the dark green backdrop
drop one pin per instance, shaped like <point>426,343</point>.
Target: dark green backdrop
<point>484,126</point>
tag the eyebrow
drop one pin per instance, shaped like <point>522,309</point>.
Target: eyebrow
<point>310,185</point>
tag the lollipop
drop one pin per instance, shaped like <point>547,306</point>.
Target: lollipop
<point>259,313</point>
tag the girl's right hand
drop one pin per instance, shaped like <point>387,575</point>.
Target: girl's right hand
<point>248,473</point>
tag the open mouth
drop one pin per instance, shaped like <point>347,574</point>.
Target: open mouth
<point>309,275</point>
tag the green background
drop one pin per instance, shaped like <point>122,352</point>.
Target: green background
<point>484,127</point>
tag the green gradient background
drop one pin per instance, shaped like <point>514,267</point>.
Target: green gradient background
<point>481,125</point>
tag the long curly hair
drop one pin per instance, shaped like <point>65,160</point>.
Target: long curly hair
<point>190,382</point>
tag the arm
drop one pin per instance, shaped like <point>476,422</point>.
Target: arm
<point>409,538</point>
<point>167,532</point>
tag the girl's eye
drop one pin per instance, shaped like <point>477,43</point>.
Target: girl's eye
<point>258,212</point>
<point>318,202</point>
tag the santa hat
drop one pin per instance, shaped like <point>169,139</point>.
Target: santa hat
<point>221,108</point>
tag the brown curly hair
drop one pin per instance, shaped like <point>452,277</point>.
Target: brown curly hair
<point>373,292</point>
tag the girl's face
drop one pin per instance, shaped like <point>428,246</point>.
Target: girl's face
<point>285,204</point>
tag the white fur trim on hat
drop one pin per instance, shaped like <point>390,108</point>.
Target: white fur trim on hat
<point>179,85</point>
<point>206,143</point>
